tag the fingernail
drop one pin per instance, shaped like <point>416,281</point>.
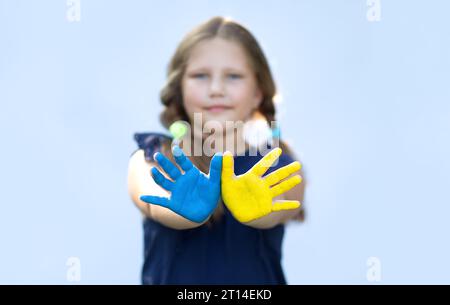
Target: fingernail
<point>177,152</point>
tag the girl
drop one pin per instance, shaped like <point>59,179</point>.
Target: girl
<point>218,74</point>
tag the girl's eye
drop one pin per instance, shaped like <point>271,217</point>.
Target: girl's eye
<point>234,76</point>
<point>200,75</point>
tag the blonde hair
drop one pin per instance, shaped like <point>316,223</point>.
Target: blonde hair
<point>171,94</point>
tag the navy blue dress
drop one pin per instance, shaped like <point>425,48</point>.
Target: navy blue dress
<point>227,252</point>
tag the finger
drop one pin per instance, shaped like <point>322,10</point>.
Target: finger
<point>281,173</point>
<point>281,205</point>
<point>167,166</point>
<point>161,180</point>
<point>162,201</point>
<point>227,165</point>
<point>181,158</point>
<point>215,168</point>
<point>263,165</point>
<point>285,185</point>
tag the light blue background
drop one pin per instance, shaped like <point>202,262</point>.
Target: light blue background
<point>366,106</point>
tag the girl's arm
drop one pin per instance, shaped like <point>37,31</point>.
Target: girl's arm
<point>276,218</point>
<point>140,182</point>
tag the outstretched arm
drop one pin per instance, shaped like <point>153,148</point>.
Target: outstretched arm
<point>193,194</point>
<point>279,217</point>
<point>255,200</point>
<point>141,182</point>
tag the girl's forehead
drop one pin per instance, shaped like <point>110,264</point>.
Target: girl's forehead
<point>218,52</point>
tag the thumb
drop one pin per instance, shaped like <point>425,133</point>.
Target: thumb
<point>215,168</point>
<point>227,165</point>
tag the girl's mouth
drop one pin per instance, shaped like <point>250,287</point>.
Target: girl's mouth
<point>217,109</point>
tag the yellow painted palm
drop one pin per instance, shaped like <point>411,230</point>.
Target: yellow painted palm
<point>250,196</point>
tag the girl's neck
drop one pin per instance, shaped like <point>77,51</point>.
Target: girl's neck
<point>234,142</point>
<point>231,140</point>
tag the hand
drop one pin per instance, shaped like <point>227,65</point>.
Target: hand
<point>194,195</point>
<point>249,196</point>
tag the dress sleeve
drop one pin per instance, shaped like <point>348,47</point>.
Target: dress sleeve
<point>151,143</point>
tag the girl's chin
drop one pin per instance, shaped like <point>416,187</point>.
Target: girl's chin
<point>220,118</point>
<point>225,123</point>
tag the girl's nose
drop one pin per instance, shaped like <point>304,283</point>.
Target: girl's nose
<point>217,87</point>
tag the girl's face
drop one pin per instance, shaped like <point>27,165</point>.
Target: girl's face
<point>219,82</point>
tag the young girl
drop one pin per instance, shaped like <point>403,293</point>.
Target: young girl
<point>218,74</point>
